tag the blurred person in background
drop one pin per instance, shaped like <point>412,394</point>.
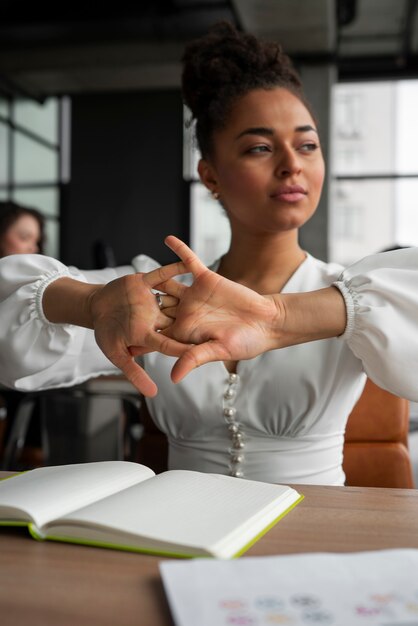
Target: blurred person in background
<point>22,231</point>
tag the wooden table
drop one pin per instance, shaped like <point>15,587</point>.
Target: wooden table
<point>53,584</point>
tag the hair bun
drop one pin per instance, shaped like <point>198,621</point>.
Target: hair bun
<point>225,64</point>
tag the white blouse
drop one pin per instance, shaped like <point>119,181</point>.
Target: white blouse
<point>281,417</point>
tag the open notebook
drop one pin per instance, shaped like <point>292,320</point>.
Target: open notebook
<point>123,505</point>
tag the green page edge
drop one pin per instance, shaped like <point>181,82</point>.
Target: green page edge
<point>267,528</point>
<point>101,544</point>
<point>13,475</point>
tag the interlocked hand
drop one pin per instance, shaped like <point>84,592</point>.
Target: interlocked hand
<point>224,320</point>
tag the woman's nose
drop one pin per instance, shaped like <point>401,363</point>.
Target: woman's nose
<point>288,163</point>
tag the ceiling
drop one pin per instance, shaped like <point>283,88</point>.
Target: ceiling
<point>75,49</point>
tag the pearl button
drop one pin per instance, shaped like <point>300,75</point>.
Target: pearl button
<point>229,393</point>
<point>233,378</point>
<point>229,412</point>
<point>236,474</point>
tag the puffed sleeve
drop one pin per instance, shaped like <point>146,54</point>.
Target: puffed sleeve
<point>34,353</point>
<point>381,296</point>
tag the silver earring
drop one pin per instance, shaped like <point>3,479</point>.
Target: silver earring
<point>215,195</point>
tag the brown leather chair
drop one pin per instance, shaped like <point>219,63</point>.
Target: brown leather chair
<point>376,441</point>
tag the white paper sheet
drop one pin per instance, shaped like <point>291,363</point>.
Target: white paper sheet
<point>367,588</point>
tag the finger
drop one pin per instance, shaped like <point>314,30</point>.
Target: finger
<point>198,355</point>
<point>137,376</point>
<point>171,312</point>
<point>163,274</point>
<point>138,350</point>
<point>164,301</point>
<point>159,342</point>
<point>135,373</point>
<point>163,321</point>
<point>172,287</point>
<point>168,301</point>
<point>189,258</point>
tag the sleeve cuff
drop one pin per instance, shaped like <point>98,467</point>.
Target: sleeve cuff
<point>44,283</point>
<point>350,303</point>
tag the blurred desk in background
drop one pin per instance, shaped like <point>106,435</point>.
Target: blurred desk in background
<point>95,421</point>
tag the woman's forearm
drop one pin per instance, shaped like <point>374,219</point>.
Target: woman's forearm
<point>303,317</point>
<point>67,301</point>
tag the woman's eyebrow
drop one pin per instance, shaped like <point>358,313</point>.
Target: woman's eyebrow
<point>269,132</point>
<point>258,130</point>
<point>306,128</point>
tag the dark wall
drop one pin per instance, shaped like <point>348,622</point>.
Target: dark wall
<point>126,185</point>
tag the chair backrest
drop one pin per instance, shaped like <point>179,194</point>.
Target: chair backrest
<point>376,441</point>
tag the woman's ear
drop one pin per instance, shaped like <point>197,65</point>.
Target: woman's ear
<point>208,176</point>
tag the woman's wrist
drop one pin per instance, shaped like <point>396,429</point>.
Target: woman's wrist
<point>68,301</point>
<point>308,316</point>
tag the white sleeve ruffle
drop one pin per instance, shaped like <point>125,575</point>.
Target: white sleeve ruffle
<point>381,296</point>
<point>35,354</point>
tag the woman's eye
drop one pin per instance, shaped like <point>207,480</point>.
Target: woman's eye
<point>258,149</point>
<point>309,147</point>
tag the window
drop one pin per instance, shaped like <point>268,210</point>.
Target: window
<point>210,231</point>
<point>34,157</point>
<point>374,168</point>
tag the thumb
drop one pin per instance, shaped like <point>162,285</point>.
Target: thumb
<point>196,356</point>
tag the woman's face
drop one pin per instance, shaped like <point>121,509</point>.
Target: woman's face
<point>267,164</point>
<point>22,237</point>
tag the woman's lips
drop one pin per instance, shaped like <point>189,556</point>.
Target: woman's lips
<point>290,197</point>
<point>293,193</point>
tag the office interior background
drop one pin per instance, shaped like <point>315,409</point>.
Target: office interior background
<point>92,124</point>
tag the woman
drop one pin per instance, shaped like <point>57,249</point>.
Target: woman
<point>21,232</point>
<point>21,229</point>
<point>277,415</point>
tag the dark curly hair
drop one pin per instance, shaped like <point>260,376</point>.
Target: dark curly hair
<point>10,212</point>
<point>224,65</point>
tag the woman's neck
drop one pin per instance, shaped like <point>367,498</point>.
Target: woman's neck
<point>264,263</point>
